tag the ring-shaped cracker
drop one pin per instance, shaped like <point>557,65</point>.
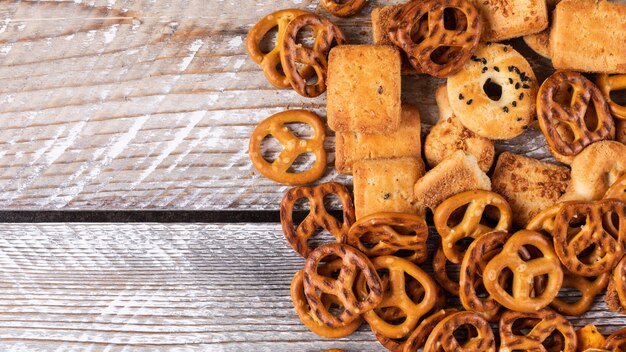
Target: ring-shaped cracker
<point>471,224</point>
<point>442,338</point>
<point>344,8</point>
<point>607,84</point>
<point>553,115</point>
<point>545,323</point>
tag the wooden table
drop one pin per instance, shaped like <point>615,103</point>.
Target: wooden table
<point>141,105</point>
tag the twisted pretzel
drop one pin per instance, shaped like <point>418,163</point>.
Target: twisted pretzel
<point>607,84</point>
<point>544,221</point>
<point>397,297</point>
<point>442,338</point>
<point>440,263</point>
<point>570,241</point>
<point>588,289</point>
<point>619,281</point>
<point>553,115</point>
<point>547,321</point>
<point>389,233</point>
<point>278,170</point>
<point>292,52</point>
<point>524,273</point>
<point>461,42</point>
<point>616,341</point>
<point>316,285</point>
<point>304,310</point>
<point>420,334</point>
<point>617,190</point>
<point>269,62</point>
<point>345,9</point>
<point>318,217</point>
<point>472,223</point>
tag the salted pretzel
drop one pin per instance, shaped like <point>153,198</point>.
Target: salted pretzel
<point>463,40</point>
<point>304,310</point>
<point>553,115</point>
<point>270,61</point>
<point>589,288</point>
<point>617,190</point>
<point>523,298</point>
<point>440,271</point>
<point>472,223</point>
<point>608,83</point>
<point>292,53</point>
<point>396,296</point>
<point>544,221</point>
<point>353,263</point>
<point>343,8</point>
<point>544,323</point>
<point>570,241</point>
<point>318,216</point>
<point>420,334</point>
<point>442,338</point>
<point>278,170</point>
<point>616,341</point>
<point>389,233</point>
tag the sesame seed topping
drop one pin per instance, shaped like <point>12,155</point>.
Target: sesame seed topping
<point>506,109</point>
<point>469,102</point>
<point>484,69</point>
<point>517,85</point>
<point>525,86</point>
<point>496,68</point>
<point>514,104</point>
<point>521,96</point>
<point>460,96</point>
<point>510,80</point>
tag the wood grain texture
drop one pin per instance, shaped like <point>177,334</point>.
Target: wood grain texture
<point>145,104</point>
<point>154,287</point>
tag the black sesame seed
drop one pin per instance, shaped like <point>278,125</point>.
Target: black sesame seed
<point>514,104</point>
<point>517,70</point>
<point>525,86</point>
<point>521,96</point>
<point>517,85</point>
<point>484,69</point>
<point>519,119</point>
<point>511,68</point>
<point>496,68</point>
<point>469,102</point>
<point>525,127</point>
<point>474,58</point>
<point>484,61</point>
<point>511,80</point>
<point>460,96</point>
<point>506,109</point>
<point>506,49</point>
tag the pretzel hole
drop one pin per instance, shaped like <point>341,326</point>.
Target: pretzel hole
<point>591,118</point>
<point>456,216</point>
<point>270,148</point>
<point>569,295</point>
<point>618,96</point>
<point>611,223</point>
<point>492,89</point>
<point>565,132</point>
<point>524,326</point>
<point>419,31</point>
<point>590,254</point>
<point>454,19</point>
<point>464,333</point>
<point>305,37</point>
<point>302,163</point>
<point>492,215</point>
<point>554,342</point>
<point>268,42</point>
<point>564,94</point>
<point>444,54</point>
<point>413,289</point>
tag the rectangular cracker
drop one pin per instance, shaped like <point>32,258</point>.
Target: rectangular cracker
<point>510,19</point>
<point>363,89</point>
<point>351,147</point>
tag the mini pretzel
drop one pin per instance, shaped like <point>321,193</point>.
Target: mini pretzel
<point>548,322</point>
<point>292,52</point>
<point>607,84</point>
<point>617,190</point>
<point>278,170</point>
<point>270,61</point>
<point>588,289</point>
<point>552,115</point>
<point>344,8</point>
<point>464,38</point>
<point>316,285</point>
<point>616,341</point>
<point>318,216</point>
<point>544,221</point>
<point>523,297</point>
<point>422,331</point>
<point>619,280</point>
<point>440,263</point>
<point>304,311</point>
<point>442,338</point>
<point>388,233</point>
<point>397,296</point>
<point>471,225</point>
<point>569,242</point>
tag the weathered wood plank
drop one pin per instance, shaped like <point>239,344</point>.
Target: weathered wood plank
<point>155,287</point>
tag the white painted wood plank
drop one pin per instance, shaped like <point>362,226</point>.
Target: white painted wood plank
<point>161,287</point>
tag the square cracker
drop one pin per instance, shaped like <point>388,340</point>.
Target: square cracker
<point>589,36</point>
<point>503,19</point>
<point>386,186</point>
<point>363,89</point>
<point>529,185</point>
<point>351,147</point>
<point>381,21</point>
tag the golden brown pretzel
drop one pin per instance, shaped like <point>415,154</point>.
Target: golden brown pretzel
<point>278,170</point>
<point>460,42</point>
<point>304,310</point>
<point>316,284</point>
<point>617,190</point>
<point>589,339</point>
<point>546,322</point>
<point>388,233</point>
<point>472,223</point>
<point>440,263</point>
<point>619,281</point>
<point>588,288</point>
<point>616,342</point>
<point>523,297</point>
<point>442,339</point>
<point>343,8</point>
<point>422,331</point>
<point>318,216</point>
<point>397,296</point>
<point>270,61</point>
<point>292,52</point>
<point>553,115</point>
<point>608,83</point>
<point>544,221</point>
<point>570,241</point>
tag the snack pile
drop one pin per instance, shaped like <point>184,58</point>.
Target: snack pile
<point>523,233</point>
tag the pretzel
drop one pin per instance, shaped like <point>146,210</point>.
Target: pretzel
<point>617,190</point>
<point>442,338</point>
<point>397,296</point>
<point>524,273</point>
<point>619,280</point>
<point>343,8</point>
<point>471,225</point>
<point>318,216</point>
<point>440,263</point>
<point>552,115</point>
<point>616,341</point>
<point>589,338</point>
<point>269,62</point>
<point>607,84</point>
<point>292,52</point>
<point>420,334</point>
<point>545,322</point>
<point>544,221</point>
<point>304,310</point>
<point>316,284</point>
<point>389,233</point>
<point>588,289</point>
<point>569,242</point>
<point>461,42</point>
<point>278,170</point>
